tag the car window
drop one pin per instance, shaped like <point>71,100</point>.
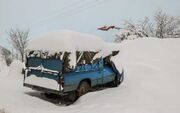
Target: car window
<point>85,57</point>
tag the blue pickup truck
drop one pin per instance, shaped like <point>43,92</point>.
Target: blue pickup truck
<point>52,75</point>
<point>53,72</point>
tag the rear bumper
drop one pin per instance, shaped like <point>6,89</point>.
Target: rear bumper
<point>42,89</point>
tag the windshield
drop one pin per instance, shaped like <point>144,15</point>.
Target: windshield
<point>39,60</point>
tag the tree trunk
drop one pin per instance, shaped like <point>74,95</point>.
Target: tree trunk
<point>22,57</point>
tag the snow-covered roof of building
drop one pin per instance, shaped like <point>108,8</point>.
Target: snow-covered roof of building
<point>67,40</point>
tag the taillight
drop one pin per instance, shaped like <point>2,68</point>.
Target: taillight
<point>61,81</point>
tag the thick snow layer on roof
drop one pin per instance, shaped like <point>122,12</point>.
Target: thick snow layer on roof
<point>71,41</point>
<point>66,40</point>
<point>109,47</point>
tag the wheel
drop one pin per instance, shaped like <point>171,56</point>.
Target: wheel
<point>83,88</point>
<point>72,96</point>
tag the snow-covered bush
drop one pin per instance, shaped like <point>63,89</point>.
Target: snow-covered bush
<point>5,55</point>
<point>135,30</point>
<point>162,26</point>
<point>166,26</point>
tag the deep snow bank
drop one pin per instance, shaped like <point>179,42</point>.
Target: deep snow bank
<point>15,68</point>
<point>2,65</point>
<point>152,81</point>
<point>151,85</point>
<point>3,68</point>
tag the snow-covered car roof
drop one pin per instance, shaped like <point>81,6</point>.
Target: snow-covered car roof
<point>71,41</point>
<point>66,40</point>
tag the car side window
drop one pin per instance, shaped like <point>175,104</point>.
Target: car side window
<point>84,57</point>
<point>85,61</point>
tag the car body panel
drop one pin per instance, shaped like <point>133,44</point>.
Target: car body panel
<point>95,72</point>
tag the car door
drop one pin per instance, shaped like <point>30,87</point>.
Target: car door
<point>99,69</point>
<point>108,75</point>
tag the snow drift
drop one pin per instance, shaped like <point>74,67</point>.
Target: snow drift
<point>3,68</point>
<point>16,68</point>
<point>2,65</point>
<point>151,84</point>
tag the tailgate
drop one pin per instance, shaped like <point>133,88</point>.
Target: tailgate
<point>43,73</point>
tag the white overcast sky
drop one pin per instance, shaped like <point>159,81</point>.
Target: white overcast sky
<point>80,15</point>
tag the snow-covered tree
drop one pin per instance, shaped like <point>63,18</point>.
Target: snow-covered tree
<point>5,55</point>
<point>131,31</point>
<point>146,27</point>
<point>19,40</point>
<point>166,26</point>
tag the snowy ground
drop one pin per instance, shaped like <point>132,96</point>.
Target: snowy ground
<point>151,85</point>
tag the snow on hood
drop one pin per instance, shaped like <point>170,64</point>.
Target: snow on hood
<point>66,40</point>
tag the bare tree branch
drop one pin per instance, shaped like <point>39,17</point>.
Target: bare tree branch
<point>19,40</point>
<point>166,26</point>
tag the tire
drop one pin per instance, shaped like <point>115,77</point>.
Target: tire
<point>83,88</point>
<point>72,96</point>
